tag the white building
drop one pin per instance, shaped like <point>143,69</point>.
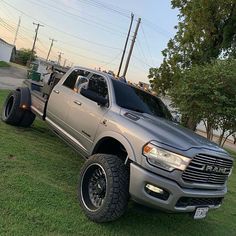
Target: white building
<point>7,51</point>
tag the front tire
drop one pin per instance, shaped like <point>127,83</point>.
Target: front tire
<point>104,188</point>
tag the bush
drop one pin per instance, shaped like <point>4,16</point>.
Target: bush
<point>23,55</point>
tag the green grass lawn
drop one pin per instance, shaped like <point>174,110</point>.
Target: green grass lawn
<point>4,64</point>
<point>38,194</point>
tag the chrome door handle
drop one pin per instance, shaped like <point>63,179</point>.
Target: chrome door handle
<point>78,103</point>
<point>56,91</point>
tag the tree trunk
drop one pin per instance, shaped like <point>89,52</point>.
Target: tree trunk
<point>209,131</point>
<point>226,138</point>
<point>191,124</point>
<point>221,137</point>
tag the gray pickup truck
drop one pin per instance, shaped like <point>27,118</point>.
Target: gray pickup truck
<point>132,146</point>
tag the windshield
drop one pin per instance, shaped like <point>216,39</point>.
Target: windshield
<point>138,100</point>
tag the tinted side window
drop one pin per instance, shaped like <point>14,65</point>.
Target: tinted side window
<point>71,79</point>
<point>98,85</point>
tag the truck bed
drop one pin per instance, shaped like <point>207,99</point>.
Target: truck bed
<point>38,103</point>
<point>38,98</point>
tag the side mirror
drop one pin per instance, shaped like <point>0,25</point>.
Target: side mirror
<point>93,96</point>
<point>80,80</point>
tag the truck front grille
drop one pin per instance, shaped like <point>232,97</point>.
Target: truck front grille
<point>191,201</point>
<point>207,170</point>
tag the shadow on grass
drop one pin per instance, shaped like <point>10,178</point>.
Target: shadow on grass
<point>141,220</point>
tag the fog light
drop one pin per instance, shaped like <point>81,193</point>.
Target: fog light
<point>156,192</point>
<point>154,189</point>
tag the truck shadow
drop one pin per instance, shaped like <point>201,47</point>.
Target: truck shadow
<point>141,220</point>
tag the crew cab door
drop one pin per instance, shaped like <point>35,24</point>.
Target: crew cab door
<point>85,115</point>
<point>59,101</point>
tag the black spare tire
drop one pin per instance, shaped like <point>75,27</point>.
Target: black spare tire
<point>11,112</point>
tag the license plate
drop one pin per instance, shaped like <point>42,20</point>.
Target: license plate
<point>201,213</point>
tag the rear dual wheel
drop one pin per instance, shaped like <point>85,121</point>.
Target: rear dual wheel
<point>13,114</point>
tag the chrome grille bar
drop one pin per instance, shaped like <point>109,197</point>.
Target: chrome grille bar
<point>196,171</point>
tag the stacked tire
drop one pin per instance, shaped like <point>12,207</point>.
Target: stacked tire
<point>15,115</point>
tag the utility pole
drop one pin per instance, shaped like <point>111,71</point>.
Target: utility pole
<point>64,64</point>
<point>126,43</point>
<point>59,57</point>
<point>35,38</point>
<point>131,47</point>
<point>17,30</point>
<point>52,41</point>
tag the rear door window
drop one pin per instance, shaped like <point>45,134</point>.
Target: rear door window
<point>98,84</point>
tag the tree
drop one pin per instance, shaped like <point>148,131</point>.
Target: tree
<point>208,93</point>
<point>23,55</point>
<point>206,31</point>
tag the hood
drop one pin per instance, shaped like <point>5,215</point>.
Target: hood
<point>173,134</point>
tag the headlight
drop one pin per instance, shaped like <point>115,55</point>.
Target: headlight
<point>165,159</point>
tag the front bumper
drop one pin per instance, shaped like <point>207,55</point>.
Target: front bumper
<point>140,177</point>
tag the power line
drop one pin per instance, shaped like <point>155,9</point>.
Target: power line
<point>7,25</point>
<point>87,50</point>
<point>140,49</point>
<point>157,29</point>
<point>111,61</point>
<point>142,61</point>
<point>91,16</point>
<point>9,13</point>
<point>42,44</point>
<point>83,56</point>
<point>98,4</point>
<point>77,46</point>
<point>11,29</point>
<point>69,51</point>
<point>147,44</point>
<point>82,19</point>
<point>42,51</point>
<point>126,13</point>
<point>61,31</point>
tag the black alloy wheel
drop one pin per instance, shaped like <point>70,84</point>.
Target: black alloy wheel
<point>103,190</point>
<point>94,186</point>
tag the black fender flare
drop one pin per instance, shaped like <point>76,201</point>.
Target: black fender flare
<point>25,97</point>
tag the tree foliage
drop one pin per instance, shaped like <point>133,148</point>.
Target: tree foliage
<point>202,90</point>
<point>206,31</point>
<point>208,93</point>
<point>23,55</point>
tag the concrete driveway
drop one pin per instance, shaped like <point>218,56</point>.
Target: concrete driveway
<point>12,77</point>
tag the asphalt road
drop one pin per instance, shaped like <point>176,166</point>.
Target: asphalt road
<point>12,77</point>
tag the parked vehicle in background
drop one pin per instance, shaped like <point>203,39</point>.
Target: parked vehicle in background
<point>132,146</point>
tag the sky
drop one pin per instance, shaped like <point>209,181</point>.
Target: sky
<point>92,33</point>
